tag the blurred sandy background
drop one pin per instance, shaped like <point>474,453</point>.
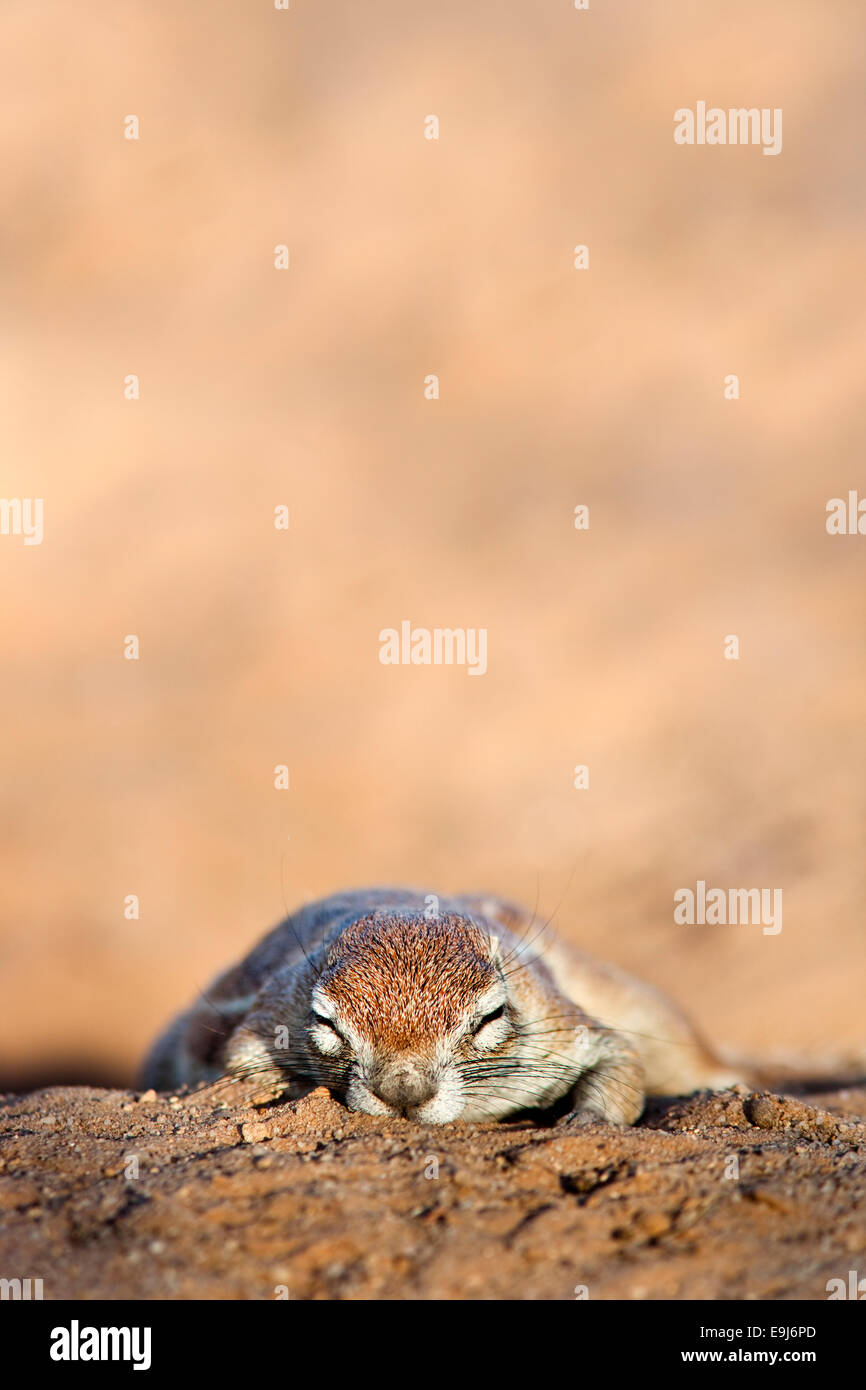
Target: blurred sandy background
<point>558,387</point>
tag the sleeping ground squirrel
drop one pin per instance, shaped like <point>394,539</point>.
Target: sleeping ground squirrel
<point>437,1009</point>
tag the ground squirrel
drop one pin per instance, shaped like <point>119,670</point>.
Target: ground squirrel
<point>437,1009</point>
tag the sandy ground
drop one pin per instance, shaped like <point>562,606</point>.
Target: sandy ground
<point>736,1196</point>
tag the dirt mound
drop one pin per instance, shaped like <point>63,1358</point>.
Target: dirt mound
<point>109,1194</point>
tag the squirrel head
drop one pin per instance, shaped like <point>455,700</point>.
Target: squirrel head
<point>410,1015</point>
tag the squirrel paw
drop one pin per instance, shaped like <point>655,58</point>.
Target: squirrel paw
<point>581,1119</point>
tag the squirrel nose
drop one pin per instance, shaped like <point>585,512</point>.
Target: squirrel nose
<point>403,1086</point>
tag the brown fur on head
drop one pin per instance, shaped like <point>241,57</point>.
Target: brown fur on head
<point>405,982</point>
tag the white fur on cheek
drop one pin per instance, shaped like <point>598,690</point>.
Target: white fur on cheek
<point>325,1039</point>
<point>491,1035</point>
